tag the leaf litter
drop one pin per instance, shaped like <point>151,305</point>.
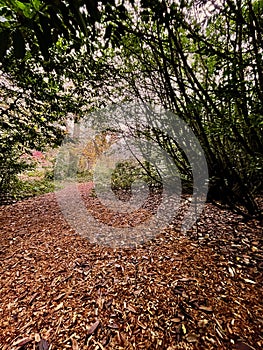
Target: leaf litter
<point>198,291</point>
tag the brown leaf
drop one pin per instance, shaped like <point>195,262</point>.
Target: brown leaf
<point>137,292</point>
<point>231,271</point>
<point>74,344</point>
<point>43,345</point>
<point>249,281</point>
<point>202,323</point>
<point>100,302</point>
<point>206,308</point>
<point>141,325</point>
<point>113,326</point>
<point>37,337</point>
<point>60,296</point>
<point>178,290</point>
<point>93,328</point>
<point>242,346</point>
<point>33,298</point>
<point>192,338</point>
<point>131,308</point>
<point>22,342</point>
<point>109,302</point>
<point>185,279</point>
<point>121,339</point>
<point>59,306</point>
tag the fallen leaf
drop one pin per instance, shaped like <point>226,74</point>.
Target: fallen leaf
<point>22,342</point>
<point>60,296</point>
<point>178,290</point>
<point>108,303</point>
<point>59,306</point>
<point>249,281</point>
<point>242,346</point>
<point>132,309</point>
<point>37,337</point>
<point>231,271</point>
<point>74,344</point>
<point>33,298</point>
<point>93,328</point>
<point>43,345</point>
<point>137,292</point>
<point>192,338</point>
<point>113,326</point>
<point>206,308</point>
<point>141,325</point>
<point>185,279</point>
<point>202,323</point>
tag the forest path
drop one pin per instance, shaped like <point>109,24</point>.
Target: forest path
<point>203,290</point>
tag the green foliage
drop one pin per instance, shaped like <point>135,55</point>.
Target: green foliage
<point>208,70</point>
<point>201,60</point>
<point>32,181</point>
<point>126,173</point>
<point>39,24</point>
<point>30,188</point>
<point>11,165</point>
<point>26,123</point>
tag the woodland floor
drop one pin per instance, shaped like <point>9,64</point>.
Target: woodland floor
<point>59,291</point>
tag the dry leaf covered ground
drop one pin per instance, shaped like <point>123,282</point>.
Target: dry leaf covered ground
<point>58,291</point>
